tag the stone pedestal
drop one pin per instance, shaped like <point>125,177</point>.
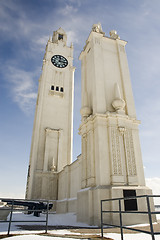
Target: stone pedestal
<point>89,205</point>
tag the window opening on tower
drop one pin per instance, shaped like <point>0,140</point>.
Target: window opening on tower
<point>52,87</point>
<point>57,88</point>
<point>61,90</point>
<point>60,37</point>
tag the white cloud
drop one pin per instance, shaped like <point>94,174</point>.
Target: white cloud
<point>9,194</point>
<point>77,2</point>
<point>150,116</point>
<point>68,9</point>
<point>42,40</point>
<point>154,184</point>
<point>9,22</point>
<point>16,23</point>
<point>22,88</point>
<point>71,37</point>
<point>39,43</point>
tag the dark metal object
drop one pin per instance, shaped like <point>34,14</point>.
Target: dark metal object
<point>120,219</point>
<point>148,212</point>
<point>150,218</point>
<point>101,221</point>
<point>47,216</point>
<point>10,219</point>
<point>33,206</point>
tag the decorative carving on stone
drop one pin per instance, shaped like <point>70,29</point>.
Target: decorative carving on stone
<point>114,35</point>
<point>130,155</point>
<point>85,110</point>
<point>50,131</point>
<point>51,149</point>
<point>97,40</point>
<point>122,130</point>
<point>134,171</point>
<point>118,103</point>
<point>84,156</point>
<point>50,39</point>
<point>97,28</point>
<point>116,153</point>
<point>121,48</point>
<point>53,167</point>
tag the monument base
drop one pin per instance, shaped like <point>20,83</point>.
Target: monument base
<point>66,205</point>
<point>89,205</point>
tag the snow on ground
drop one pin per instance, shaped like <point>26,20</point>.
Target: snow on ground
<point>137,236</point>
<point>68,219</point>
<point>36,237</point>
<point>110,235</point>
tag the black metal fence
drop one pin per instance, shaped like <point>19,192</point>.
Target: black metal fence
<point>13,208</point>
<point>121,212</point>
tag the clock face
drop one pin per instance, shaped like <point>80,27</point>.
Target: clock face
<point>59,61</point>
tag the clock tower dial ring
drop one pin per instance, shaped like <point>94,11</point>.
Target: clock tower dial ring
<point>59,61</point>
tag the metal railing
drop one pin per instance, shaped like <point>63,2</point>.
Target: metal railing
<point>13,209</point>
<point>121,212</point>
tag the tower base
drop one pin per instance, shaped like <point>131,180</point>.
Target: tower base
<point>89,205</point>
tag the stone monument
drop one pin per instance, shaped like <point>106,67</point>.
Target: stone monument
<point>110,165</point>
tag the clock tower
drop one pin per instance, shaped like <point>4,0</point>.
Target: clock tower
<point>51,147</point>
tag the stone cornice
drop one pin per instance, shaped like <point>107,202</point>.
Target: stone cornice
<point>49,173</point>
<point>107,119</point>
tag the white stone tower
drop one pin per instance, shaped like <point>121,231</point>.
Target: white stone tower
<point>111,155</point>
<point>51,147</point>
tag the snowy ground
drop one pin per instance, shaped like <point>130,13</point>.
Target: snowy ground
<point>60,220</point>
<point>68,219</point>
<point>36,237</point>
<point>111,235</point>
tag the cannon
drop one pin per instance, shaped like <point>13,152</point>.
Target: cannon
<point>33,206</point>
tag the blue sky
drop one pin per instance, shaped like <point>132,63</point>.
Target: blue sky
<point>25,27</point>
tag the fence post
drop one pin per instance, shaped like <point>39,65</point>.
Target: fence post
<point>47,217</point>
<point>101,221</point>
<point>10,219</point>
<point>120,219</point>
<point>150,218</point>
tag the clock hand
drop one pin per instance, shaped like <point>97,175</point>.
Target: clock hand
<point>61,62</point>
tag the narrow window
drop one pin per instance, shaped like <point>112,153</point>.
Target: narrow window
<point>61,90</point>
<point>130,204</point>
<point>60,36</point>
<point>57,88</point>
<point>52,87</point>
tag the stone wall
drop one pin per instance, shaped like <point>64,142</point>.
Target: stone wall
<point>69,183</point>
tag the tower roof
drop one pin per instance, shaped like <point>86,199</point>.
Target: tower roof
<point>61,30</point>
<point>59,35</point>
